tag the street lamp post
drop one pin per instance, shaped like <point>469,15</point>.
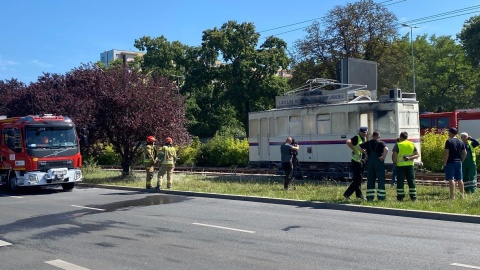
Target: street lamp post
<point>413,59</point>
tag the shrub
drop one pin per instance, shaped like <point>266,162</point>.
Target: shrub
<point>188,155</point>
<point>224,151</point>
<point>108,156</point>
<point>432,149</point>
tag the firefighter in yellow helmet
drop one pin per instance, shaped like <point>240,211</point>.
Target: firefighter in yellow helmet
<point>167,158</point>
<point>149,159</point>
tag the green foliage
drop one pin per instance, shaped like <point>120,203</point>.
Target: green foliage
<point>108,156</point>
<point>90,165</point>
<point>188,154</point>
<point>470,38</point>
<point>433,145</point>
<point>225,151</point>
<point>362,29</point>
<point>444,78</point>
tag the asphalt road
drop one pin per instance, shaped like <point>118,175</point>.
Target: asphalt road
<point>95,228</point>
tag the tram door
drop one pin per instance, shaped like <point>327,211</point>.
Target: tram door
<point>263,143</point>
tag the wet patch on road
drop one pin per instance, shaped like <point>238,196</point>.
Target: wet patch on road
<point>147,201</point>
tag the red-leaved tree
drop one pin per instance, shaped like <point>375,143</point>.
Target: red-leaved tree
<point>117,105</point>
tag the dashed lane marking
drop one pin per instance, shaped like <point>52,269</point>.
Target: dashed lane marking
<point>65,265</point>
<point>17,197</point>
<point>3,243</point>
<point>85,207</point>
<point>221,227</point>
<point>466,265</point>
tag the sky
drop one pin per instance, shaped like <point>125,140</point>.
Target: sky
<point>56,36</point>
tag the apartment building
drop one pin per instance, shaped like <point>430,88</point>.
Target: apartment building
<point>109,56</point>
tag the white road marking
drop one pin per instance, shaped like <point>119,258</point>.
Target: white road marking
<point>466,265</point>
<point>18,197</point>
<point>85,207</point>
<point>3,243</point>
<point>65,265</point>
<point>225,228</point>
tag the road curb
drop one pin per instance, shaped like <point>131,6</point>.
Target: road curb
<point>312,204</point>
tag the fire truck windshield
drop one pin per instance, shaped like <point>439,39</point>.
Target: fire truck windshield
<point>50,137</point>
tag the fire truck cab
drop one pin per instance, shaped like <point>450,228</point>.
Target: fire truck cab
<point>39,150</point>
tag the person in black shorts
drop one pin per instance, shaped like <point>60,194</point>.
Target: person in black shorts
<point>453,156</point>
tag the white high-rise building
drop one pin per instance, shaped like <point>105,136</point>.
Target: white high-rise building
<point>109,56</point>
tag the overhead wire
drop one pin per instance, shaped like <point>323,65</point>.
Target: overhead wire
<point>431,18</point>
<point>315,19</point>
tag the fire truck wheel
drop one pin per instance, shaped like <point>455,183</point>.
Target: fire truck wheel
<point>68,186</point>
<point>12,184</point>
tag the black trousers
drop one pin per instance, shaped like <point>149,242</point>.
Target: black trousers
<point>287,169</point>
<point>356,185</point>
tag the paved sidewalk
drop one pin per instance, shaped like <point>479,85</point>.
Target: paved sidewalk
<point>312,204</point>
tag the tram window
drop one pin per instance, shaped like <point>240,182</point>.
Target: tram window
<point>386,121</point>
<point>253,131</point>
<point>353,122</point>
<point>282,126</point>
<point>442,122</point>
<point>339,123</point>
<point>308,122</point>
<point>323,124</point>
<point>295,125</point>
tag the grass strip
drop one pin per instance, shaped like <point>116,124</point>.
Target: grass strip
<point>429,198</point>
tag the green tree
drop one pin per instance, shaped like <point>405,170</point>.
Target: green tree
<point>469,37</point>
<point>363,29</point>
<point>120,106</point>
<point>445,80</point>
<point>163,58</point>
<point>245,74</point>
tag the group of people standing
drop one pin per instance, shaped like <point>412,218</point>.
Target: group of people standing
<point>165,156</point>
<point>458,160</point>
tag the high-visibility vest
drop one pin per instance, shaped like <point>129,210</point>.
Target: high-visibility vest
<point>357,154</point>
<point>472,150</point>
<point>167,155</point>
<point>149,155</point>
<point>405,149</point>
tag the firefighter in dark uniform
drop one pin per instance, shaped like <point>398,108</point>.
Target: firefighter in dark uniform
<point>403,155</point>
<point>167,158</point>
<point>469,165</point>
<point>357,164</point>
<point>149,160</point>
<point>376,154</point>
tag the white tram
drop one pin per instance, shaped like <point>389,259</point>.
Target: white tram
<point>322,120</point>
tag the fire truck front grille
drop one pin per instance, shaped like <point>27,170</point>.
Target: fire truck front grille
<point>46,165</point>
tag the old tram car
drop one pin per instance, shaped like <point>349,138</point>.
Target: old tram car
<point>322,120</point>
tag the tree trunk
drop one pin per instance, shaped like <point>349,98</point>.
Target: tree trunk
<point>126,169</point>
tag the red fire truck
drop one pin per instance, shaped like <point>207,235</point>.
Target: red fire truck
<point>464,120</point>
<point>39,150</point>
